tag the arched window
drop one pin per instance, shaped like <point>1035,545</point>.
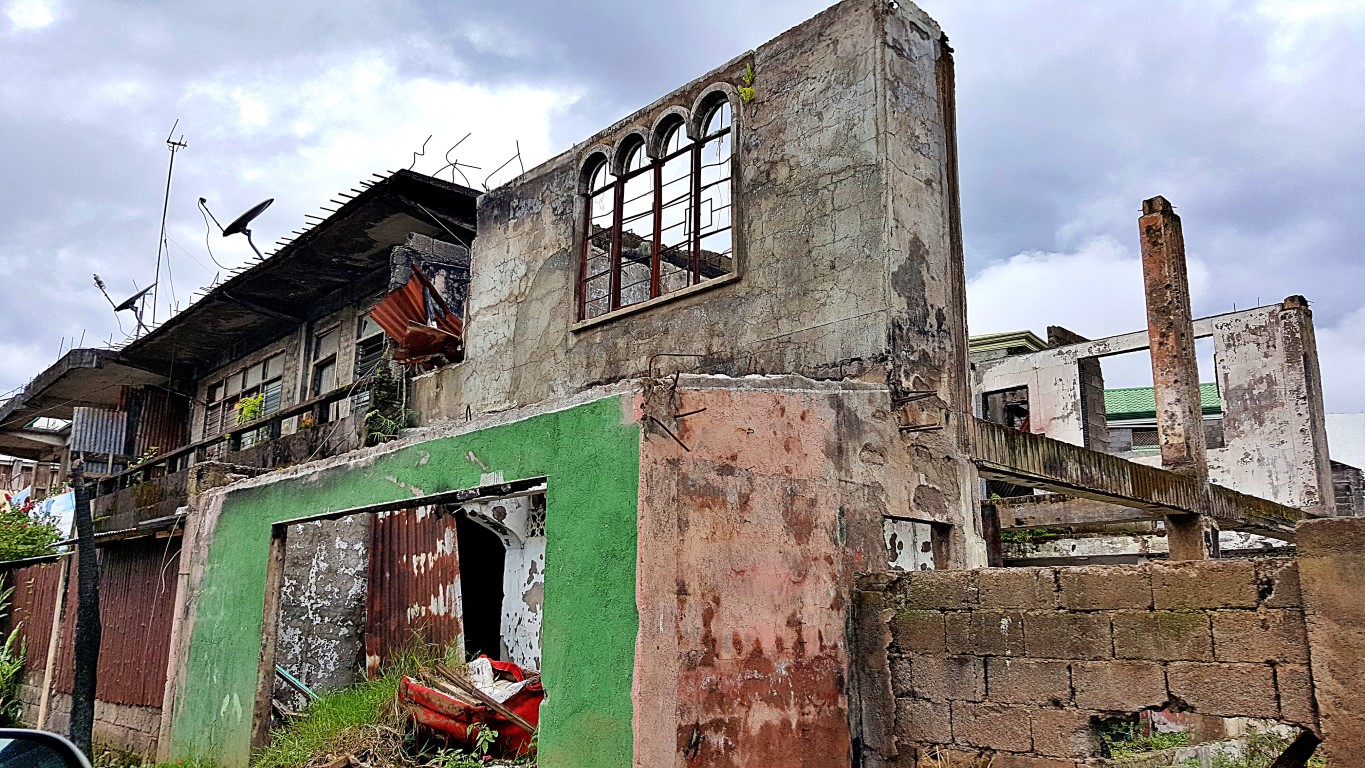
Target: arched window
<point>598,241</point>
<point>661,224</point>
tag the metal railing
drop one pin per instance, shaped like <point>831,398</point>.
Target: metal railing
<point>266,428</point>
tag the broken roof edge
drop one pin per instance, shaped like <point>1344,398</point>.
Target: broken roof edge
<point>990,342</point>
<point>137,353</point>
<point>85,358</point>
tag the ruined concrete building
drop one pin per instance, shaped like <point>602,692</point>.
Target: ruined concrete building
<point>698,438</point>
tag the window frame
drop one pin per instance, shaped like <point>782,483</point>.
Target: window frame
<point>696,142</point>
<point>218,403</point>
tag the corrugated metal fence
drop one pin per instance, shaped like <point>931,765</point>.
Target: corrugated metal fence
<point>414,583</point>
<point>137,599</point>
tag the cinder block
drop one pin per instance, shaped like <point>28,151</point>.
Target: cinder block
<point>947,678</point>
<point>1267,635</point>
<point>1059,635</point>
<point>1204,584</point>
<point>1295,686</point>
<point>992,726</point>
<point>1061,732</point>
<point>1024,681</point>
<point>923,722</point>
<point>939,590</point>
<point>1278,582</point>
<point>1226,690</point>
<point>986,633</point>
<point>900,675</point>
<point>1094,588</point>
<point>918,631</point>
<point>1163,635</point>
<point>1118,686</point>
<point>1016,588</point>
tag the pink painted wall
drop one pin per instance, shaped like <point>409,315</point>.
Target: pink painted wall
<point>744,575</point>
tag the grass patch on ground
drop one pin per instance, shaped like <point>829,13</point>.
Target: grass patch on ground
<point>346,721</point>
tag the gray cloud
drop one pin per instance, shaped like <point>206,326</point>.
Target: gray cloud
<point>1246,114</point>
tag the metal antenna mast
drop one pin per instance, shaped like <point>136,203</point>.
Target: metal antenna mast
<point>174,145</point>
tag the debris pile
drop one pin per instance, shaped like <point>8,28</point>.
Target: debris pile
<point>461,708</point>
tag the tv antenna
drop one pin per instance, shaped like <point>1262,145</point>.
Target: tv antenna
<point>241,224</point>
<point>132,303</point>
<point>174,145</point>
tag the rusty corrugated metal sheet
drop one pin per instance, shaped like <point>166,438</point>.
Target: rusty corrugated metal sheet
<point>403,316</point>
<point>97,430</point>
<point>162,421</point>
<point>34,598</point>
<point>414,583</point>
<point>137,598</point>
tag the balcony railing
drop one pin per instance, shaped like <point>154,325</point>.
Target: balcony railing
<point>168,471</point>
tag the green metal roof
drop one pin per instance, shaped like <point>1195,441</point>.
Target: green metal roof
<point>1140,402</point>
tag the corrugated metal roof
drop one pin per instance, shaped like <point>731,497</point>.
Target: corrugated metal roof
<point>1140,402</point>
<point>97,430</point>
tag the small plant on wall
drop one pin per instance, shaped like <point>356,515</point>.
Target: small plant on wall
<point>388,414</point>
<point>250,408</point>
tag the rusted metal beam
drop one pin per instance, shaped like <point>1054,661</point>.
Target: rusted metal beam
<point>1002,453</point>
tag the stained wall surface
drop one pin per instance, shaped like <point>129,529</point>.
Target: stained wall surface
<point>589,612</point>
<point>1265,359</point>
<point>322,602</point>
<point>749,539</point>
<point>848,256</point>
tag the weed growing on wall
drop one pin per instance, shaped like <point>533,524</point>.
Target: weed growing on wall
<point>250,408</point>
<point>11,668</point>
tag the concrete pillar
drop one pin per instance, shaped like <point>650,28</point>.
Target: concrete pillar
<point>1331,557</point>
<point>1302,393</point>
<point>1175,369</point>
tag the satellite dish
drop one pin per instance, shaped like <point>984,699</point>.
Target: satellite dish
<point>131,301</point>
<point>241,223</point>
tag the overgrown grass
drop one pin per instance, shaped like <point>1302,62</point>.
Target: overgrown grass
<point>337,723</point>
<point>1127,740</point>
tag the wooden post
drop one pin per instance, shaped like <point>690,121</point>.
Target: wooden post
<point>87,644</point>
<point>265,680</point>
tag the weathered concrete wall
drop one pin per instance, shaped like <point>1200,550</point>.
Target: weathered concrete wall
<point>749,539</point>
<point>588,449</point>
<point>1275,440</point>
<point>320,637</point>
<point>1022,663</point>
<point>845,235</point>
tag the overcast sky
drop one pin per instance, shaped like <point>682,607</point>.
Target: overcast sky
<point>1249,116</point>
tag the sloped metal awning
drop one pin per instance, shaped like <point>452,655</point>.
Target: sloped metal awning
<point>345,256</point>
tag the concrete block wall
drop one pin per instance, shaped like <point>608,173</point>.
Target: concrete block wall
<point>1022,664</point>
<point>122,727</point>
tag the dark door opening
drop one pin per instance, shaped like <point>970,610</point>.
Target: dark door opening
<point>482,558</point>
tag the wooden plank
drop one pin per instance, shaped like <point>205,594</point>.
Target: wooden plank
<point>1001,453</point>
<point>265,671</point>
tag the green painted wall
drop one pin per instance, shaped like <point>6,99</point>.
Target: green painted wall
<point>591,457</point>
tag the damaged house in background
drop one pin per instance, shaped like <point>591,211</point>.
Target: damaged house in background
<point>699,439</point>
